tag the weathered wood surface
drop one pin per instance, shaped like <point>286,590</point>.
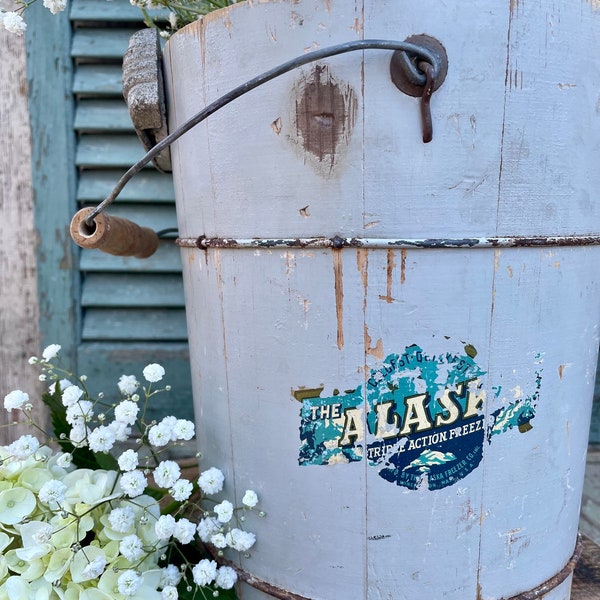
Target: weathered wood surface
<point>586,580</point>
<point>19,334</point>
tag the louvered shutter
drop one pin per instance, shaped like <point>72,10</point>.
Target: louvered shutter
<point>128,312</point>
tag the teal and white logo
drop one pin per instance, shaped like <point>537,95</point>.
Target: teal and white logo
<point>417,418</point>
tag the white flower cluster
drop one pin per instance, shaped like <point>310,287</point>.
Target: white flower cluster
<point>96,534</point>
<point>13,20</point>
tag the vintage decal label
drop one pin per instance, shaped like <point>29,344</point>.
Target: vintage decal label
<point>418,418</point>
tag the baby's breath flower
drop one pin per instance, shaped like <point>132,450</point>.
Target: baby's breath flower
<point>218,540</point>
<point>206,528</point>
<point>64,460</point>
<point>78,434</point>
<point>211,481</point>
<point>70,394</point>
<point>171,576</point>
<point>128,583</point>
<point>204,572</point>
<point>131,547</point>
<point>101,439</point>
<point>126,412</point>
<point>55,6</point>
<point>169,592</point>
<point>52,491</point>
<point>183,429</point>
<point>184,531</point>
<point>166,473</point>
<point>133,483</point>
<point>240,540</point>
<point>129,460</point>
<point>181,490</point>
<point>94,568</point>
<point>153,372</point>
<point>50,351</point>
<point>226,577</point>
<point>224,511</point>
<point>165,527</point>
<point>128,384</point>
<point>15,400</point>
<point>122,519</point>
<point>24,447</point>
<point>120,430</point>
<point>250,499</point>
<point>63,384</point>
<point>159,435</point>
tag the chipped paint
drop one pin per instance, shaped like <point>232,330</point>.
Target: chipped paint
<point>339,297</point>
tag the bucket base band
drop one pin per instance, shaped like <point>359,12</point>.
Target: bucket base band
<point>541,590</point>
<point>281,594</point>
<point>336,242</point>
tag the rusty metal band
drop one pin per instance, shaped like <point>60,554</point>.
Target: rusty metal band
<point>258,584</point>
<point>336,242</point>
<point>541,590</point>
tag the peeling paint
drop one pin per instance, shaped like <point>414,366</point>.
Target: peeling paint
<point>339,297</point>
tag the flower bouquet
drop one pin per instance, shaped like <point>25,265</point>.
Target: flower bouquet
<point>173,16</point>
<point>98,511</point>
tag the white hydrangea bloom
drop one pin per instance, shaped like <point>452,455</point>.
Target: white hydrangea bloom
<point>206,528</point>
<point>165,527</point>
<point>122,519</point>
<point>204,572</point>
<point>159,435</point>
<point>131,547</point>
<point>129,460</point>
<point>52,491</point>
<point>153,372</point>
<point>129,583</point>
<point>101,439</point>
<point>55,6</point>
<point>166,473</point>
<point>181,490</point>
<point>183,430</point>
<point>126,412</point>
<point>250,499</point>
<point>211,481</point>
<point>15,400</point>
<point>128,384</point>
<point>71,395</point>
<point>184,531</point>
<point>52,350</point>
<point>95,568</point>
<point>133,483</point>
<point>24,447</point>
<point>240,540</point>
<point>171,576</point>
<point>226,578</point>
<point>224,511</point>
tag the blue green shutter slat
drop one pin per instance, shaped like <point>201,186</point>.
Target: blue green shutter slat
<point>125,289</point>
<point>148,186</point>
<point>103,116</point>
<point>100,43</point>
<point>165,260</point>
<point>134,324</point>
<point>101,151</point>
<point>98,80</point>
<point>101,10</point>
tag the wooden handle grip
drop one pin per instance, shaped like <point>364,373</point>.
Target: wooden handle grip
<point>113,235</point>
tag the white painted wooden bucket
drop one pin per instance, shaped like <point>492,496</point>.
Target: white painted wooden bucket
<point>412,406</point>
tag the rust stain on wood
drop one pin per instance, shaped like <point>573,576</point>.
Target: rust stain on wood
<point>339,296</point>
<point>325,115</point>
<point>402,266</point>
<point>389,277</point>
